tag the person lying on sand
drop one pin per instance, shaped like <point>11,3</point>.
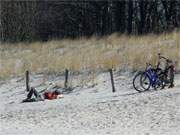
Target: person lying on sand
<point>46,95</point>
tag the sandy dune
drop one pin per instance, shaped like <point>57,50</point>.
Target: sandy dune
<point>92,110</point>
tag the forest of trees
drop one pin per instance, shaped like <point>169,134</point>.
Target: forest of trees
<point>32,20</point>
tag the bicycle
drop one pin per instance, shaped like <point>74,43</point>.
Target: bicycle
<point>143,80</point>
<point>155,77</point>
<point>168,72</point>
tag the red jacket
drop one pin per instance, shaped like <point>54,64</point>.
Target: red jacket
<point>50,95</point>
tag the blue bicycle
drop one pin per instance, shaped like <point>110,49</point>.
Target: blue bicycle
<point>143,80</point>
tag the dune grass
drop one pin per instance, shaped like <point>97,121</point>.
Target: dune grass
<point>121,52</point>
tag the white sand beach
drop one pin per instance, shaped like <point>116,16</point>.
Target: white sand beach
<point>92,110</point>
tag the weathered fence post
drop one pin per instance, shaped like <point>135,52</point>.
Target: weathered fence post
<point>27,81</point>
<point>112,80</point>
<point>66,78</point>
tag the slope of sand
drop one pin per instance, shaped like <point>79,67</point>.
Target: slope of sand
<point>92,110</point>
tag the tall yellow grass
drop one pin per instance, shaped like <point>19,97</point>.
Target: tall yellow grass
<point>117,51</point>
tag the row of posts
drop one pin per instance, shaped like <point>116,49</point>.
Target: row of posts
<point>67,77</point>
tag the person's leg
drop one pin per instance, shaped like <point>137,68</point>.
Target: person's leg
<point>36,94</point>
<point>29,95</point>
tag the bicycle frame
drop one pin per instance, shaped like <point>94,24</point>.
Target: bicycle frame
<point>152,76</point>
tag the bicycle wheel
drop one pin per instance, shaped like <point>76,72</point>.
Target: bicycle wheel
<point>145,81</point>
<point>161,81</point>
<point>137,82</point>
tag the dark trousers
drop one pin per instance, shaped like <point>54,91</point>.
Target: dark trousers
<point>33,92</point>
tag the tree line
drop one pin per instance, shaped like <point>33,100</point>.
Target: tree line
<point>44,20</point>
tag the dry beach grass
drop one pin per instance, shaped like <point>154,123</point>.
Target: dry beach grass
<point>117,51</point>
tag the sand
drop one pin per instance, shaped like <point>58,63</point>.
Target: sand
<point>91,110</point>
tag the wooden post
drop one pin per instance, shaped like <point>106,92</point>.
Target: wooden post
<point>112,80</point>
<point>27,81</point>
<point>66,78</point>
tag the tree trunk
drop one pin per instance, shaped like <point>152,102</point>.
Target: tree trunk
<point>130,16</point>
